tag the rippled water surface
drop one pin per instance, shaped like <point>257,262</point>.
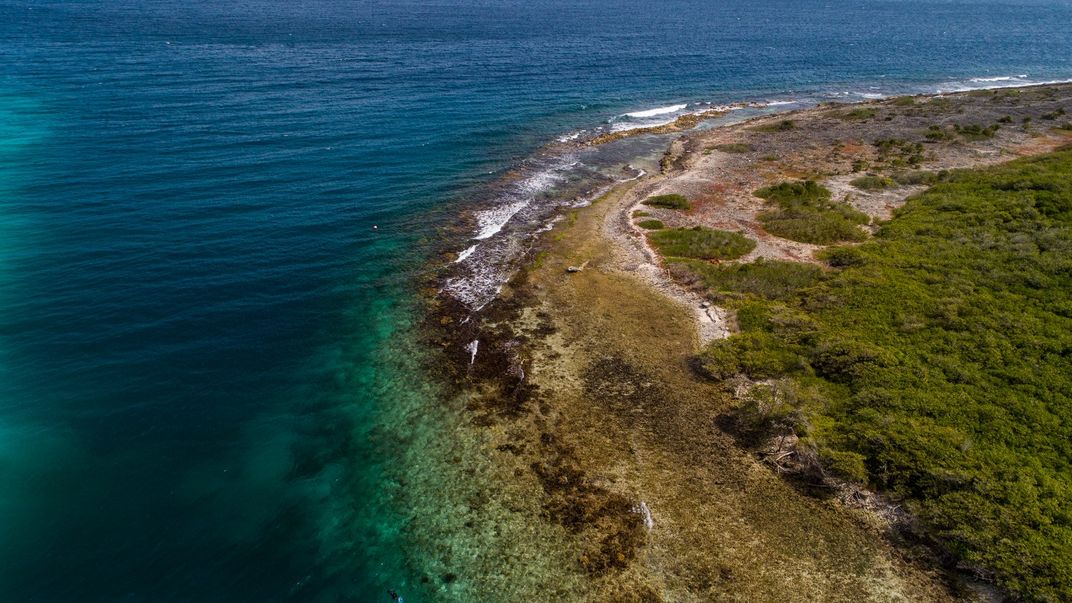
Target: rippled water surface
<point>209,387</point>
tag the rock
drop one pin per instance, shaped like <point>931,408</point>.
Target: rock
<point>576,268</point>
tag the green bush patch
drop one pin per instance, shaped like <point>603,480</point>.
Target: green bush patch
<point>804,212</point>
<point>935,364</point>
<point>769,279</point>
<point>781,126</point>
<point>651,224</point>
<point>859,114</point>
<point>734,147</point>
<point>668,202</point>
<point>872,182</point>
<point>702,243</point>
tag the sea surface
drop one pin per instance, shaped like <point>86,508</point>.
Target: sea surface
<point>218,219</point>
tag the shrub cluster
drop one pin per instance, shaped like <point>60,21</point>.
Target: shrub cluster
<point>702,243</point>
<point>872,182</point>
<point>803,211</point>
<point>668,201</point>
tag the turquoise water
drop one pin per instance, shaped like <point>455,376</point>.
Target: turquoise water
<point>210,389</point>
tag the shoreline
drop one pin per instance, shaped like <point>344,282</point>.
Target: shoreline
<point>567,361</point>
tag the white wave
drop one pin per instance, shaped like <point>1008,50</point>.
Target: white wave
<point>1000,78</point>
<point>779,103</point>
<point>491,221</point>
<point>623,127</point>
<point>472,348</point>
<point>465,253</point>
<point>655,111</point>
<point>570,137</point>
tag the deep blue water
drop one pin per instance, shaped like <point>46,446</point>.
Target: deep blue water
<point>201,335</point>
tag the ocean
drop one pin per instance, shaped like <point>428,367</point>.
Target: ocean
<point>218,222</point>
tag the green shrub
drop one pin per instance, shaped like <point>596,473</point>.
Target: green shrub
<point>702,243</point>
<point>921,177</point>
<point>975,131</point>
<point>734,147</point>
<point>904,101</point>
<point>794,192</point>
<point>842,257</point>
<point>804,212</point>
<point>641,214</point>
<point>872,183</point>
<point>668,201</point>
<point>859,114</point>
<point>651,224</point>
<point>1052,115</point>
<point>753,354</point>
<point>769,279</point>
<point>937,133</point>
<point>898,153</point>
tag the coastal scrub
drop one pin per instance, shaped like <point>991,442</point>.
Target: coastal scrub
<point>701,243</point>
<point>804,212</point>
<point>672,201</point>
<point>934,364</point>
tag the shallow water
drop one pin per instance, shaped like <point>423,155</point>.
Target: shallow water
<point>209,388</point>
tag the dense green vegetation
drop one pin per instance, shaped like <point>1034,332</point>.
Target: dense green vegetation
<point>769,279</point>
<point>935,363</point>
<point>651,224</point>
<point>804,212</point>
<point>702,243</point>
<point>668,201</point>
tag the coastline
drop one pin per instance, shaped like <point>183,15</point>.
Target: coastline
<point>581,383</point>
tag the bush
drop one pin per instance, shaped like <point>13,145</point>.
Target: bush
<point>794,192</point>
<point>804,212</point>
<point>668,202</point>
<point>782,126</point>
<point>859,114</point>
<point>750,354</point>
<point>937,133</point>
<point>769,279</point>
<point>921,177</point>
<point>871,183</point>
<point>702,243</point>
<point>842,257</point>
<point>975,131</point>
<point>651,224</point>
<point>640,214</point>
<point>904,101</point>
